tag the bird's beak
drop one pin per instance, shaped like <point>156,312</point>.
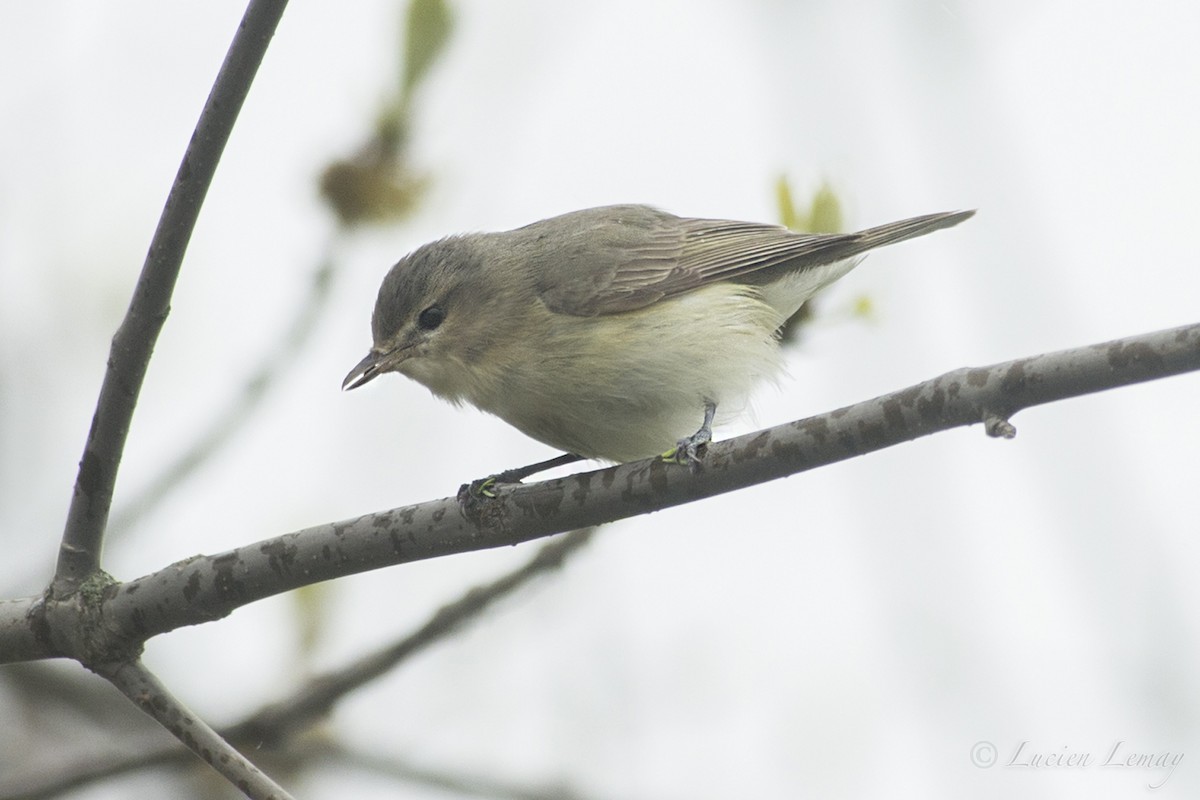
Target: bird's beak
<point>363,371</point>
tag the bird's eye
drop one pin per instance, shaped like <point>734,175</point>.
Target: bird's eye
<point>430,318</point>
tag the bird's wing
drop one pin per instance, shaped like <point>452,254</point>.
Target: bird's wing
<point>622,258</point>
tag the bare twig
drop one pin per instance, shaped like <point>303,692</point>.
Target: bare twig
<point>226,424</point>
<point>319,695</point>
<point>276,725</point>
<point>377,184</point>
<point>143,688</point>
<point>41,784</point>
<point>309,752</point>
<point>459,782</point>
<point>79,554</point>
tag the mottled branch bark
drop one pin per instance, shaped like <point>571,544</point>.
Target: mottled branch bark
<point>133,344</point>
<point>205,588</point>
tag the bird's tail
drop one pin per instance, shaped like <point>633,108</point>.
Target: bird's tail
<point>904,229</point>
<point>809,251</point>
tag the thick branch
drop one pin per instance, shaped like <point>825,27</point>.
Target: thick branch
<point>134,341</point>
<point>209,587</point>
<point>24,634</point>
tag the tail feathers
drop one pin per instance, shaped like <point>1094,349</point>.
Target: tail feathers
<point>824,249</point>
<point>906,229</point>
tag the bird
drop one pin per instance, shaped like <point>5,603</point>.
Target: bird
<point>608,333</point>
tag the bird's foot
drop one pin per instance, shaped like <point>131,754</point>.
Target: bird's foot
<point>487,488</point>
<point>690,451</point>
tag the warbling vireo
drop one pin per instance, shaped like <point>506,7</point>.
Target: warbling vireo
<point>610,332</point>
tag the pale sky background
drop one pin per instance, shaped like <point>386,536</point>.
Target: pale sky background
<point>848,633</point>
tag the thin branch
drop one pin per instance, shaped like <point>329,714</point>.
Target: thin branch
<point>319,695</point>
<point>144,689</point>
<point>376,184</point>
<point>86,772</point>
<point>205,588</point>
<point>228,422</point>
<point>276,726</point>
<point>458,782</point>
<point>79,555</point>
<point>90,769</point>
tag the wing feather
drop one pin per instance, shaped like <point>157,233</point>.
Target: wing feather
<point>620,258</point>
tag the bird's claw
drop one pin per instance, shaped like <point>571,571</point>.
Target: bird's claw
<point>690,451</point>
<point>487,487</point>
<point>484,487</point>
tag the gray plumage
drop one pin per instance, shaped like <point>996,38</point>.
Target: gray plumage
<point>606,332</point>
<point>612,259</point>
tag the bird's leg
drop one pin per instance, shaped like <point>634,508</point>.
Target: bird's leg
<point>687,451</point>
<point>484,487</point>
<point>521,473</point>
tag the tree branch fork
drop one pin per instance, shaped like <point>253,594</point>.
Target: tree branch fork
<point>107,621</point>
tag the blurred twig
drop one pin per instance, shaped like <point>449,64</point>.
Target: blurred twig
<point>225,425</point>
<point>318,696</point>
<point>61,696</point>
<point>276,726</point>
<point>304,756</point>
<point>458,781</point>
<point>86,770</point>
<point>376,184</point>
<point>427,28</point>
<point>144,689</point>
